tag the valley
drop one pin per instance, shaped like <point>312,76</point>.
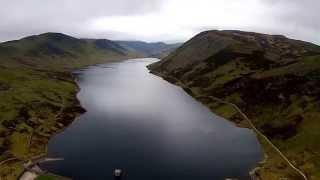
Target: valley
<point>266,82</point>
<point>38,91</point>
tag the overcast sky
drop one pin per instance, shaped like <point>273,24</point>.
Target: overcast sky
<point>158,20</point>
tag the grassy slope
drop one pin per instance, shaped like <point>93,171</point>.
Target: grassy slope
<point>57,51</point>
<point>275,80</point>
<point>38,93</point>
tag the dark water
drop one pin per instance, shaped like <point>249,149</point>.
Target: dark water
<point>149,128</point>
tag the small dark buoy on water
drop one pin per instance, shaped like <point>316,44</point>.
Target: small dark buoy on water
<point>117,173</point>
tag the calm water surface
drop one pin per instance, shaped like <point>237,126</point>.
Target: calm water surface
<point>151,129</point>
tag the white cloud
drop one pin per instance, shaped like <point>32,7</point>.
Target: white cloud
<point>181,20</point>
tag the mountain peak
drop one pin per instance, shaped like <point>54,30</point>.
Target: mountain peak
<point>52,36</point>
<point>57,34</point>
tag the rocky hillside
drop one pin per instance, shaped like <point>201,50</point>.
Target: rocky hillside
<point>273,79</point>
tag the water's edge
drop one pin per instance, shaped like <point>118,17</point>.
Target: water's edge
<point>78,100</point>
<point>252,173</point>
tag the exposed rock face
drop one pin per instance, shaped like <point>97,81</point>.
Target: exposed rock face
<point>275,80</point>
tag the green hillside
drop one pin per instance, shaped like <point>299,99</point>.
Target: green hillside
<point>273,79</point>
<point>54,50</point>
<point>38,92</point>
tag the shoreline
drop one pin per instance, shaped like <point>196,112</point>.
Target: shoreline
<point>79,110</point>
<point>77,105</point>
<point>172,80</point>
<point>256,172</point>
<point>250,173</point>
<point>37,142</point>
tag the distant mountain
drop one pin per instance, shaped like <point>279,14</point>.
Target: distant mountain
<point>273,79</point>
<point>105,44</point>
<point>56,49</point>
<point>158,49</point>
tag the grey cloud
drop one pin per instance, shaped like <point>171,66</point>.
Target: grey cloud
<point>295,18</point>
<point>24,17</point>
<point>297,14</point>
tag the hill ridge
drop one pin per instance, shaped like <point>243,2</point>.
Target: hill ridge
<point>273,79</point>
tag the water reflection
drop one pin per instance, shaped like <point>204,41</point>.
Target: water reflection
<point>153,130</point>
